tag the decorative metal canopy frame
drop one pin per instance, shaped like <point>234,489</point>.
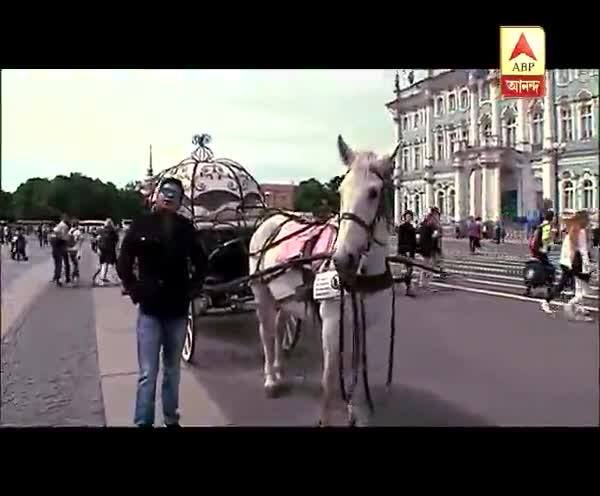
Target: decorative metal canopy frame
<point>202,174</point>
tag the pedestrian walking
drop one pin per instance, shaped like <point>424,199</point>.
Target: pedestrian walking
<point>19,245</point>
<point>60,235</point>
<point>40,234</point>
<point>575,263</point>
<point>407,246</point>
<point>474,232</point>
<point>499,231</point>
<point>108,239</point>
<point>430,244</point>
<point>163,244</point>
<point>539,246</point>
<point>74,245</point>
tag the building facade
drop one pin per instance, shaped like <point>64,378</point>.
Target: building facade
<point>468,151</point>
<point>279,195</point>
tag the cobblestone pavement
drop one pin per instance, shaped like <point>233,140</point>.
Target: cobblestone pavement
<point>49,372</point>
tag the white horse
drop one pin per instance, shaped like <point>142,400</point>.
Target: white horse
<point>360,248</point>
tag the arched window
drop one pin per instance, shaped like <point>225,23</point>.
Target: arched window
<point>566,123</point>
<point>588,194</point>
<point>405,203</point>
<point>404,122</point>
<point>453,139</point>
<point>439,145</point>
<point>439,105</point>
<point>405,158</point>
<point>417,203</point>
<point>485,127</point>
<point>537,125</point>
<point>586,119</point>
<point>440,201</point>
<point>464,99</point>
<point>451,102</point>
<point>417,156</point>
<point>563,76</point>
<point>568,195</point>
<point>510,128</point>
<point>464,134</point>
<point>451,205</point>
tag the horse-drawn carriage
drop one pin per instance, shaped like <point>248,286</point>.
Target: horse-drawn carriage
<point>226,205</point>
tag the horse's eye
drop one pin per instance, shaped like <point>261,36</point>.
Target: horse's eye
<point>372,193</point>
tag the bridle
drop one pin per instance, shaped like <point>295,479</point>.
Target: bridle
<point>369,227</point>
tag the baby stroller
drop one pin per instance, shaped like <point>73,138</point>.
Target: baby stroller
<point>536,274</point>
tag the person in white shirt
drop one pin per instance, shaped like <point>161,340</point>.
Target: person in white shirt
<point>574,262</point>
<point>74,249</point>
<point>60,236</point>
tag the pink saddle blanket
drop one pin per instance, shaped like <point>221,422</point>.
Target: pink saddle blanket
<point>294,247</point>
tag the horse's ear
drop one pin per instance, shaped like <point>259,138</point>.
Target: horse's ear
<point>346,153</point>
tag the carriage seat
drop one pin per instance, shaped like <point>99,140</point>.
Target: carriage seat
<point>312,241</point>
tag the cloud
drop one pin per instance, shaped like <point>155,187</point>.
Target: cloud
<point>281,124</point>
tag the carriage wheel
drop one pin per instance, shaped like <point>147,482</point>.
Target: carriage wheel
<point>291,334</point>
<point>190,337</point>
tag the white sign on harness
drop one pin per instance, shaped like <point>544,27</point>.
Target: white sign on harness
<point>326,285</point>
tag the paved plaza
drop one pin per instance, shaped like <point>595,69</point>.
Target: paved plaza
<point>464,356</point>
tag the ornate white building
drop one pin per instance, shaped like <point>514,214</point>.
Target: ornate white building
<point>469,151</point>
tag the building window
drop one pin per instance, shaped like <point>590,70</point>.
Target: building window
<point>404,123</point>
<point>510,129</point>
<point>563,76</point>
<point>440,201</point>
<point>451,103</point>
<point>439,145</point>
<point>465,134</point>
<point>566,119</point>
<point>537,126</point>
<point>405,203</point>
<point>464,99</point>
<point>439,106</point>
<point>485,92</point>
<point>568,202</point>
<point>451,201</point>
<point>417,203</point>
<point>417,156</point>
<point>417,120</point>
<point>453,140</point>
<point>588,194</point>
<point>485,127</point>
<point>586,120</point>
<point>405,158</point>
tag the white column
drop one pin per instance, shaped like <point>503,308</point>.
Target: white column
<point>485,193</point>
<point>459,191</point>
<point>429,199</point>
<point>496,197</point>
<point>428,159</point>
<point>520,193</point>
<point>473,111</point>
<point>522,126</point>
<point>549,112</point>
<point>475,202</point>
<point>548,179</point>
<point>576,123</point>
<point>495,101</point>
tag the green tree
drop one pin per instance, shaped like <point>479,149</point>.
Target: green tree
<point>6,205</point>
<point>309,195</point>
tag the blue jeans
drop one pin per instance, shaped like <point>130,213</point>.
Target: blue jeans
<point>152,333</point>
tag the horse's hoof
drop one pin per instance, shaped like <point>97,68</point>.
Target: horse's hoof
<point>272,391</point>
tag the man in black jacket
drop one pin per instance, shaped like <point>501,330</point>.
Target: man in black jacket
<point>163,243</point>
<point>407,246</point>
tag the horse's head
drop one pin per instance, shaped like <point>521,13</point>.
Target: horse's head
<point>362,205</point>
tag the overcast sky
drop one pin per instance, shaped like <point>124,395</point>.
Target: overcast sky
<point>281,124</point>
